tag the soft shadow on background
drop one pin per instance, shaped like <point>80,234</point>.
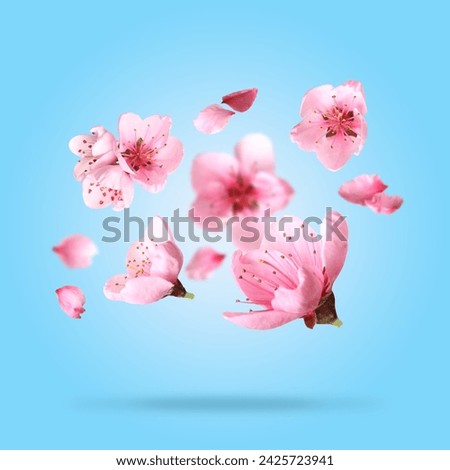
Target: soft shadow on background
<point>226,404</point>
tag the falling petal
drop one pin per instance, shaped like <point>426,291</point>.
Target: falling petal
<point>212,119</point>
<point>71,300</point>
<point>76,251</point>
<point>241,100</point>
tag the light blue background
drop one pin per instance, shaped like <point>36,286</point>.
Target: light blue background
<point>175,375</point>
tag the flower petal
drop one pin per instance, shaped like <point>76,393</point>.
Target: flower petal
<point>71,300</point>
<point>145,289</point>
<point>76,251</point>
<point>212,119</point>
<point>255,153</point>
<point>241,100</point>
<point>334,244</point>
<point>213,167</point>
<point>114,286</point>
<point>304,298</point>
<point>272,192</point>
<point>170,155</point>
<point>204,261</point>
<point>108,185</point>
<point>361,189</point>
<point>261,320</point>
<point>317,100</point>
<point>381,203</point>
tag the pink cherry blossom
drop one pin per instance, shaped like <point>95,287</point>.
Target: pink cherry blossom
<point>94,151</point>
<point>71,300</point>
<point>76,251</point>
<point>368,190</point>
<point>242,185</point>
<point>241,100</point>
<point>333,125</point>
<point>152,268</point>
<point>146,151</point>
<point>212,119</point>
<point>292,276</point>
<point>204,261</point>
<point>108,185</point>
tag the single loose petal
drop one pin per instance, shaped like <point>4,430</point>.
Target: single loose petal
<point>381,203</point>
<point>76,251</point>
<point>212,119</point>
<point>71,300</point>
<point>241,100</point>
<point>204,261</point>
<point>362,189</point>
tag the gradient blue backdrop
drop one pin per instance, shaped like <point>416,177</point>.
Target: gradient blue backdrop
<point>175,374</point>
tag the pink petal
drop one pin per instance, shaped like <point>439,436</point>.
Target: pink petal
<point>71,300</point>
<point>81,145</point>
<point>204,261</point>
<point>145,290</point>
<point>335,152</point>
<point>261,320</point>
<point>241,100</point>
<point>304,298</point>
<point>260,272</point>
<point>212,119</point>
<point>381,203</point>
<point>334,246</point>
<point>361,189</point>
<point>108,185</point>
<point>114,286</point>
<point>317,99</point>
<point>255,153</point>
<point>153,130</point>
<point>76,251</point>
<point>170,155</point>
<point>213,167</point>
<point>247,235</point>
<point>273,193</point>
<point>359,97</point>
<point>156,256</point>
<point>307,133</point>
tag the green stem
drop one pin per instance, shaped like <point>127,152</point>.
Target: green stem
<point>189,295</point>
<point>337,323</point>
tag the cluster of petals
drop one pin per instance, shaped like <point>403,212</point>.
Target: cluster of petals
<point>107,168</point>
<point>241,185</point>
<point>333,123</point>
<point>152,268</point>
<point>368,190</point>
<point>214,118</point>
<point>291,276</point>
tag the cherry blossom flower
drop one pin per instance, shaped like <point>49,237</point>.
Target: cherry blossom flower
<point>292,276</point>
<point>76,251</point>
<point>94,151</point>
<point>71,300</point>
<point>240,185</point>
<point>241,100</point>
<point>204,261</point>
<point>212,119</point>
<point>108,185</point>
<point>146,151</point>
<point>333,125</point>
<point>368,190</point>
<point>152,269</point>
